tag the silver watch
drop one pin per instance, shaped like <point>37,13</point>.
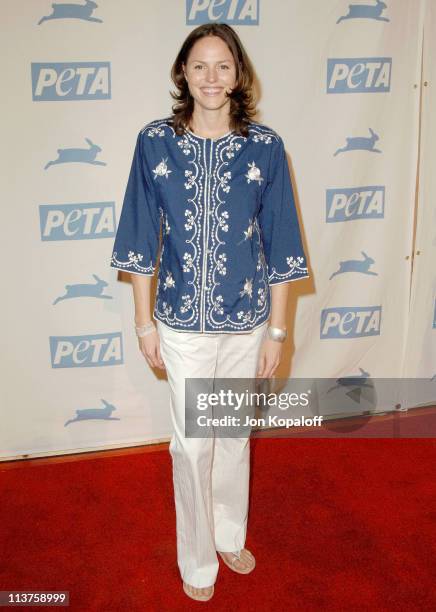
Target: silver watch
<point>277,334</point>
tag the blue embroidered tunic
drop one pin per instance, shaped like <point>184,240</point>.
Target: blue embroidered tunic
<point>229,226</point>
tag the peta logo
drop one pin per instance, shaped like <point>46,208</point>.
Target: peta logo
<point>86,351</point>
<point>63,10</point>
<point>77,221</point>
<point>350,322</point>
<point>365,11</point>
<point>434,316</point>
<point>233,12</point>
<point>56,81</point>
<point>359,75</point>
<point>351,203</point>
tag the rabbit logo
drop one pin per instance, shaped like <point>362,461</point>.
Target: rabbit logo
<point>63,10</point>
<point>356,265</point>
<point>85,290</point>
<point>357,387</point>
<point>74,155</point>
<point>356,379</point>
<point>360,143</point>
<point>365,11</point>
<point>94,414</point>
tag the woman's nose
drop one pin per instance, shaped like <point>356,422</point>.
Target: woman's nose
<point>211,75</point>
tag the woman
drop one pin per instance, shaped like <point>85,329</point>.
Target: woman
<point>218,185</point>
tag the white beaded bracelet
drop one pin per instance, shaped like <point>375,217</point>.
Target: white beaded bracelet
<point>143,330</point>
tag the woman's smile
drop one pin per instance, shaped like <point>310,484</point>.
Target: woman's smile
<point>211,91</point>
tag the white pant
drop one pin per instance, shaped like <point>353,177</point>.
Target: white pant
<point>210,475</point>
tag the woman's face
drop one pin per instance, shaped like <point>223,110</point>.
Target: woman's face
<point>211,72</point>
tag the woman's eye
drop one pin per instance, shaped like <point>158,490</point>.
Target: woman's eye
<point>225,66</point>
<point>198,66</point>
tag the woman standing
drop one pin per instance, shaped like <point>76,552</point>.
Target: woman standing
<point>218,185</point>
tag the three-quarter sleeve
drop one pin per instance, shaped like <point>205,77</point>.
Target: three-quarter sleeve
<point>137,238</point>
<point>278,223</point>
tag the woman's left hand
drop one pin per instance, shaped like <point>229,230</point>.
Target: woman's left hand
<point>269,358</point>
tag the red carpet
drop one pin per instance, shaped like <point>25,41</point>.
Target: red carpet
<point>334,525</point>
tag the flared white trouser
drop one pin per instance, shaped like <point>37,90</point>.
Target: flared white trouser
<point>210,474</point>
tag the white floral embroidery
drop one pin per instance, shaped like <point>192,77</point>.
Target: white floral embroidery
<point>134,258</point>
<point>222,221</point>
<point>261,296</point>
<point>217,305</point>
<point>184,145</point>
<point>132,262</point>
<point>221,268</point>
<point>187,303</point>
<point>223,181</point>
<point>295,263</point>
<point>248,233</point>
<point>248,288</point>
<point>167,308</point>
<point>190,223</point>
<point>191,179</point>
<point>296,269</point>
<point>155,131</point>
<point>233,146</point>
<point>162,169</point>
<point>169,281</point>
<point>244,316</point>
<point>262,138</point>
<point>189,262</point>
<point>253,173</point>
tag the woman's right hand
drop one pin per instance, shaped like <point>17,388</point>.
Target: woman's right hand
<point>149,346</point>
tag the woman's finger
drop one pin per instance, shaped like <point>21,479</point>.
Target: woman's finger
<point>159,357</point>
<point>261,365</point>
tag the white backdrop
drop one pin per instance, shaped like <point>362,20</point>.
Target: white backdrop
<point>80,82</point>
<point>420,360</point>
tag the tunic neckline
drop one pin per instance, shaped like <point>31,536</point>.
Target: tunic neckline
<point>208,137</point>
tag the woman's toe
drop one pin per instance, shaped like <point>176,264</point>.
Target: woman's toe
<point>247,558</point>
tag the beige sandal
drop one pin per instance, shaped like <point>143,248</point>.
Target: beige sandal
<point>197,597</point>
<point>237,556</point>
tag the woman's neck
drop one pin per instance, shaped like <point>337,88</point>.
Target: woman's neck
<point>212,126</point>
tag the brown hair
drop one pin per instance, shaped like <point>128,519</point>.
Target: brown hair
<point>242,102</point>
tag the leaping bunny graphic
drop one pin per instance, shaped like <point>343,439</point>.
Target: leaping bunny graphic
<point>360,143</point>
<point>85,290</point>
<point>86,414</point>
<point>356,265</point>
<point>72,11</point>
<point>84,156</point>
<point>365,11</point>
